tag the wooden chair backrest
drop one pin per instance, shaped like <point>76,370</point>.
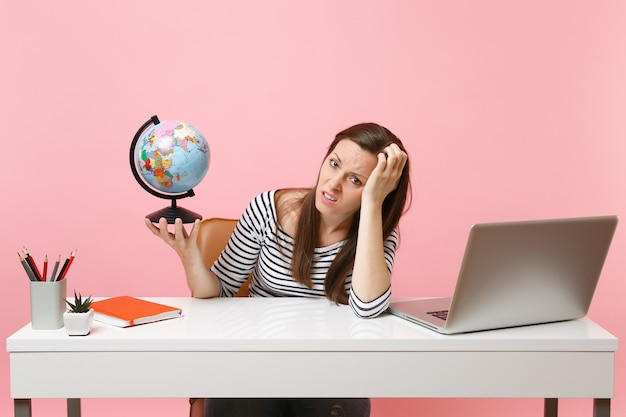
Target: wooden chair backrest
<point>212,239</point>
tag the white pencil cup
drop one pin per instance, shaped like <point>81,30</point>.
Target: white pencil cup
<point>47,304</point>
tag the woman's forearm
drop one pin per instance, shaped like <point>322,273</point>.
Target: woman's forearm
<point>370,276</point>
<point>201,281</point>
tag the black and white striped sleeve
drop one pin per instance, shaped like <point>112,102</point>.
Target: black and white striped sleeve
<point>240,256</point>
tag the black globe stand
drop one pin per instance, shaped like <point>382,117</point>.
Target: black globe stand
<point>172,212</point>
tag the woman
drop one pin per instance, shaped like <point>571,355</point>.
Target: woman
<point>336,240</point>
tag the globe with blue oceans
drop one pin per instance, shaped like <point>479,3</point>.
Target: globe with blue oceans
<point>172,156</point>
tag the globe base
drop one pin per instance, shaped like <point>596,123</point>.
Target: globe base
<point>172,213</point>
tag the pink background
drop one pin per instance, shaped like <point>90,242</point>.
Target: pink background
<point>510,110</point>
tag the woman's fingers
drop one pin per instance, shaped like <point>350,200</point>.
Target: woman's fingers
<point>164,231</point>
<point>179,230</point>
<point>179,234</point>
<point>155,230</point>
<point>193,235</point>
<point>396,157</point>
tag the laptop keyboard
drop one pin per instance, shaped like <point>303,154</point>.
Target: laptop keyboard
<point>441,314</point>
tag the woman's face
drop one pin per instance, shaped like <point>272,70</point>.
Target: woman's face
<point>342,177</point>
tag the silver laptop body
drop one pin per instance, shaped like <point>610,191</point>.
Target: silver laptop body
<point>520,273</point>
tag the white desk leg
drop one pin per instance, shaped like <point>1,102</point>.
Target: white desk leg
<point>73,407</point>
<point>550,407</point>
<point>21,407</point>
<point>602,407</point>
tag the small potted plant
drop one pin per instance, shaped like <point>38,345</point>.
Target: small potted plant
<point>79,316</point>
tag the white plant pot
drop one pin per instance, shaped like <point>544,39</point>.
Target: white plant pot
<point>78,324</point>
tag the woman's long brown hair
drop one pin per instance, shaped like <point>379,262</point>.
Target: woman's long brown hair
<point>372,138</point>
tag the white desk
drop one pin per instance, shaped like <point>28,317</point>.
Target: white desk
<point>293,347</point>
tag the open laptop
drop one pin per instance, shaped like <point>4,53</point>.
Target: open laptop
<point>520,273</point>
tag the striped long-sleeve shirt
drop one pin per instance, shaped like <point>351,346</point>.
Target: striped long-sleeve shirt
<point>259,246</point>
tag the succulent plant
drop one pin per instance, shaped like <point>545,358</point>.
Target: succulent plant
<point>80,305</point>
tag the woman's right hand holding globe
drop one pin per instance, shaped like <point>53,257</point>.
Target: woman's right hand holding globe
<point>202,282</point>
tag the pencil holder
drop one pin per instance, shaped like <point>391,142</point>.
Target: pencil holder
<point>47,304</point>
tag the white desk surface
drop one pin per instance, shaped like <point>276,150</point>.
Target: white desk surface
<point>321,348</point>
<point>270,324</point>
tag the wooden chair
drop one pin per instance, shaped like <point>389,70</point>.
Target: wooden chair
<point>212,239</point>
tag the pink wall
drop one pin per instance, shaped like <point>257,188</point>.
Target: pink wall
<point>510,110</point>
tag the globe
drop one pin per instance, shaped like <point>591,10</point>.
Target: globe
<point>172,157</point>
<point>168,158</point>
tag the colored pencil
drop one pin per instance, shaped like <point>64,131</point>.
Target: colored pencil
<point>45,269</point>
<point>63,268</point>
<point>32,264</point>
<point>71,258</point>
<point>29,272</point>
<point>54,270</point>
